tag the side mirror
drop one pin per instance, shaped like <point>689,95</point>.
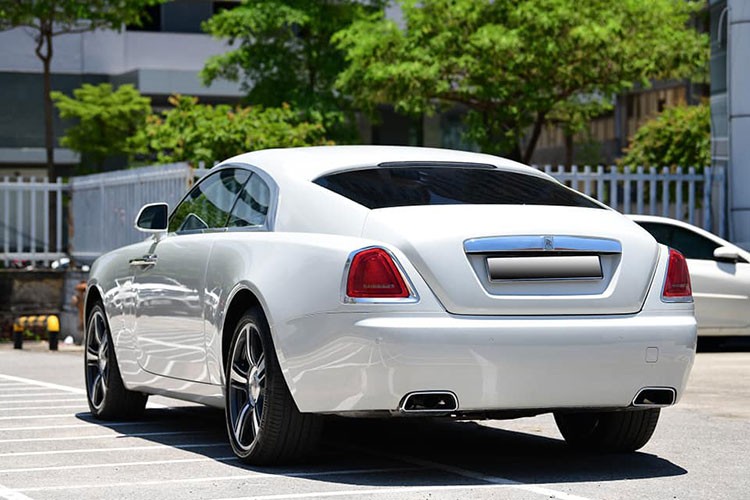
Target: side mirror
<point>726,254</point>
<point>152,218</point>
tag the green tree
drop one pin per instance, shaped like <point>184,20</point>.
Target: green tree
<point>47,19</point>
<point>196,132</point>
<point>284,54</point>
<point>109,122</point>
<point>679,137</point>
<point>517,65</point>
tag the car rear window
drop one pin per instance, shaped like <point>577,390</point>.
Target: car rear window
<point>385,187</point>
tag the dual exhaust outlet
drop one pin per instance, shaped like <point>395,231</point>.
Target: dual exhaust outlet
<point>433,402</point>
<point>446,402</point>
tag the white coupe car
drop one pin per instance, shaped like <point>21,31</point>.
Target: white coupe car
<point>390,281</point>
<point>719,274</point>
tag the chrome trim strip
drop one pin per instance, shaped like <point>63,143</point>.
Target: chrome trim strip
<point>411,299</point>
<point>542,243</point>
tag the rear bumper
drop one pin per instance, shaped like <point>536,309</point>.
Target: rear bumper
<point>360,362</point>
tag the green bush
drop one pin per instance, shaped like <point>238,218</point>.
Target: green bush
<point>108,121</point>
<point>679,137</point>
<point>196,132</point>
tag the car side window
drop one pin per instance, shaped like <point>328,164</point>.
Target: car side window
<point>691,245</point>
<point>251,208</point>
<point>208,204</point>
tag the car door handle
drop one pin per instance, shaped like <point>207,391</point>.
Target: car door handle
<point>146,260</point>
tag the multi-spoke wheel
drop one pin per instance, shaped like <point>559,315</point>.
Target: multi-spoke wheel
<point>263,423</point>
<point>107,396</point>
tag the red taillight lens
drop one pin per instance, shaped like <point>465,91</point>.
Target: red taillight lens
<point>677,284</point>
<point>373,274</point>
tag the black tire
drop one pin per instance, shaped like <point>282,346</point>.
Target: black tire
<point>106,394</point>
<point>263,422</point>
<point>615,431</point>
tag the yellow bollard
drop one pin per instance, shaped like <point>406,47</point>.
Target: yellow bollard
<point>53,331</point>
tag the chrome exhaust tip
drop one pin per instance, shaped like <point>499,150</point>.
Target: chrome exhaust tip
<point>429,402</point>
<point>655,397</point>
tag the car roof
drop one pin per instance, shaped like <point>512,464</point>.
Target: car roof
<point>309,163</point>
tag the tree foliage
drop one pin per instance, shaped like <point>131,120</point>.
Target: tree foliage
<point>679,136</point>
<point>517,65</point>
<point>108,121</point>
<point>47,19</point>
<point>196,132</point>
<point>283,52</point>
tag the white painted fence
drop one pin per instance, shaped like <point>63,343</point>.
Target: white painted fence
<point>684,194</point>
<point>25,219</point>
<point>103,206</point>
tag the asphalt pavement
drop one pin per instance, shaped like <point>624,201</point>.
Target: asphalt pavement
<point>51,448</point>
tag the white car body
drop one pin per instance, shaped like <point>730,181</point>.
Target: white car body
<point>531,346</point>
<point>721,287</point>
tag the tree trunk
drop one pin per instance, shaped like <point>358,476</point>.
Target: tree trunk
<point>49,131</point>
<point>43,51</point>
<point>568,149</point>
<point>536,131</point>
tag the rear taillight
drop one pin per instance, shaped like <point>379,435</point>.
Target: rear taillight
<point>373,274</point>
<point>677,284</point>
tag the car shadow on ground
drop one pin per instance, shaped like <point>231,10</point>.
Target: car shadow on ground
<point>435,447</point>
<point>724,344</point>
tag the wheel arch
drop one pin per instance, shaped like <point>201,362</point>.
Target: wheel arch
<point>243,297</point>
<point>93,295</point>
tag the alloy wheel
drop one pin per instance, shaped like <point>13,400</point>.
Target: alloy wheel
<point>247,386</point>
<point>97,359</point>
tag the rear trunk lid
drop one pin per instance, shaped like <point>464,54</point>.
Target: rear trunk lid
<point>523,259</point>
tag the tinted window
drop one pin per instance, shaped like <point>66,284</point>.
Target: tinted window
<point>208,204</point>
<point>449,185</point>
<point>690,244</point>
<point>252,205</point>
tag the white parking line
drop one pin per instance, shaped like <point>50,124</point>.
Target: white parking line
<point>127,448</point>
<point>9,396</point>
<point>27,401</point>
<point>65,388</point>
<point>53,407</point>
<point>119,464</point>
<point>8,494</point>
<point>74,426</point>
<point>388,490</point>
<point>29,417</point>
<point>39,383</point>
<point>103,436</point>
<point>237,477</point>
<point>550,493</point>
<point>14,390</point>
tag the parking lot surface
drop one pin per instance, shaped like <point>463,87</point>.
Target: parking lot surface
<point>50,448</point>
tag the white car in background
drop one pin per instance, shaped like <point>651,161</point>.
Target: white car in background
<point>369,281</point>
<point>719,271</point>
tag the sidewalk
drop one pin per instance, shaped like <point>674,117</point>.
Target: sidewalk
<point>42,345</point>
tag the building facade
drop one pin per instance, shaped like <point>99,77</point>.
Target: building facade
<point>730,107</point>
<point>160,58</point>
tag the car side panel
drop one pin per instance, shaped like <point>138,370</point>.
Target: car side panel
<point>113,276</point>
<point>292,275</point>
<point>722,296</point>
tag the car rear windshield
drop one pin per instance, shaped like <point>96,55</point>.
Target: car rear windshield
<point>385,187</point>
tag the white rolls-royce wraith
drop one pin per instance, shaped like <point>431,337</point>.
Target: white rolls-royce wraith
<point>390,281</point>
